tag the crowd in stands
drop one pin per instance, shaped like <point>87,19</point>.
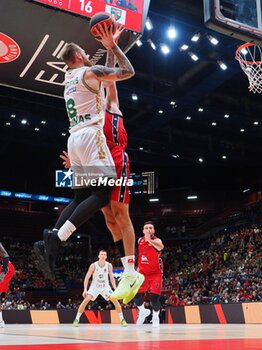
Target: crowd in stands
<point>225,268</point>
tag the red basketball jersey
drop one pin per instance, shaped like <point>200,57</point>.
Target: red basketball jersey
<point>115,131</point>
<point>149,261</point>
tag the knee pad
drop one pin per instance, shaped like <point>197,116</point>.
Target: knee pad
<point>155,301</point>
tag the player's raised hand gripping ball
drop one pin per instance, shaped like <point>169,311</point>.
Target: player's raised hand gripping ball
<point>103,18</point>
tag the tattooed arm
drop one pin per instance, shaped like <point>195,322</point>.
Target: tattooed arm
<point>102,73</point>
<point>112,101</point>
<point>110,59</point>
<point>123,72</point>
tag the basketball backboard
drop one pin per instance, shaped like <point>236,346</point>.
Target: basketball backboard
<point>33,33</point>
<point>241,19</point>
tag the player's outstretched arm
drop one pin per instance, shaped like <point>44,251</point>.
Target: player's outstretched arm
<point>87,278</point>
<point>103,73</point>
<point>111,276</point>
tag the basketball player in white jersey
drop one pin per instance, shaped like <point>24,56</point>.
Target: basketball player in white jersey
<point>86,129</point>
<point>100,271</point>
<point>116,213</point>
<point>87,146</point>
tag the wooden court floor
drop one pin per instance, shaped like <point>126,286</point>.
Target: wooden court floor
<point>115,337</point>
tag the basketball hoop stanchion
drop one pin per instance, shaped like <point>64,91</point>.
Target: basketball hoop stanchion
<point>249,57</point>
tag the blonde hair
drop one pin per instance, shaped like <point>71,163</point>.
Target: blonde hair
<point>68,53</point>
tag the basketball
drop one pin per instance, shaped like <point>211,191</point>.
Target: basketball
<point>101,18</point>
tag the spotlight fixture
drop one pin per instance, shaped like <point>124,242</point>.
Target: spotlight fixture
<point>149,25</point>
<point>226,116</point>
<point>43,122</point>
<point>63,134</point>
<point>175,156</point>
<point>184,47</point>
<point>134,97</point>
<point>154,200</point>
<point>224,157</point>
<point>188,117</point>
<point>141,148</point>
<point>165,49</point>
<point>222,65</point>
<point>160,111</point>
<point>172,103</point>
<point>139,43</point>
<point>200,109</point>
<point>192,197</point>
<point>24,121</point>
<point>12,115</point>
<point>7,123</point>
<point>171,33</point>
<point>244,51</point>
<point>213,40</point>
<point>214,123</point>
<point>246,190</point>
<point>200,160</point>
<point>193,56</point>
<point>152,44</point>
<point>196,37</point>
<point>256,123</point>
<point>36,129</point>
<point>242,130</point>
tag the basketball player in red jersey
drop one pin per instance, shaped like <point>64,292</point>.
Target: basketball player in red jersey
<point>150,265</point>
<point>7,271</point>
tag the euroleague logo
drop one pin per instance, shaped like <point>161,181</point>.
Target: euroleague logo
<point>9,49</point>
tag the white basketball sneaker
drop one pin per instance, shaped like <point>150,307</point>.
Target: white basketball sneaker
<point>2,324</point>
<point>155,322</point>
<point>142,316</point>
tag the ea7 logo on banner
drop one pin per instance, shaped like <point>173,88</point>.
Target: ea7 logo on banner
<point>9,49</point>
<point>118,14</point>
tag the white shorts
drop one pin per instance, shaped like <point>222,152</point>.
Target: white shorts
<point>105,292</point>
<point>90,156</point>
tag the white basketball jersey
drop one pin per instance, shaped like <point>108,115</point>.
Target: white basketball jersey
<point>100,276</point>
<point>85,106</point>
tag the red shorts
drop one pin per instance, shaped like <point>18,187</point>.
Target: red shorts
<point>153,283</point>
<point>5,282</point>
<point>121,193</point>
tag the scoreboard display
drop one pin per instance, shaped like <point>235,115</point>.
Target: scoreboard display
<point>143,183</point>
<point>129,14</point>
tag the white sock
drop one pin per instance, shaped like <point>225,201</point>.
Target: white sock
<point>129,264</point>
<point>78,315</point>
<point>1,316</point>
<point>141,308</point>
<point>66,230</point>
<point>121,316</point>
<point>155,314</point>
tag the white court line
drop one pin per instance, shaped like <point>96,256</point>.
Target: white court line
<point>46,37</point>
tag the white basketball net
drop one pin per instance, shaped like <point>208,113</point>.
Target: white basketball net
<point>250,60</point>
